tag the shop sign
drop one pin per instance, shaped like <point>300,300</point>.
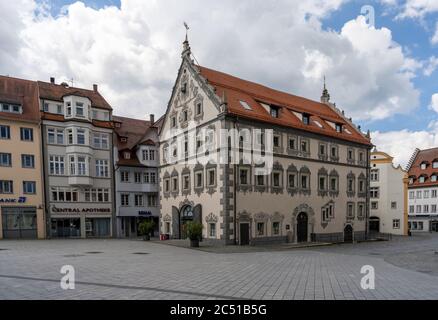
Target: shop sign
<point>145,213</point>
<point>80,210</point>
<point>13,200</point>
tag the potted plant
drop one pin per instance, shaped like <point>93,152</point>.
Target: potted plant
<point>145,228</point>
<point>194,233</point>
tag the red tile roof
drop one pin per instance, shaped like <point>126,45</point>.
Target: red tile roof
<point>236,90</point>
<point>23,92</point>
<point>56,92</point>
<point>427,156</point>
<point>132,129</point>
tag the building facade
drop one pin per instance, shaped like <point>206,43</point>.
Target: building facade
<point>388,196</point>
<point>21,186</point>
<point>423,191</point>
<point>136,174</point>
<point>77,146</point>
<point>317,189</point>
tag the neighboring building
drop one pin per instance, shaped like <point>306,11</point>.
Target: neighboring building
<point>136,174</point>
<point>77,140</point>
<point>21,185</point>
<point>423,189</point>
<point>318,190</point>
<point>388,196</point>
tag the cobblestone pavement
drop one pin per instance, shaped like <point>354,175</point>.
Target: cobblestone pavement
<point>124,269</point>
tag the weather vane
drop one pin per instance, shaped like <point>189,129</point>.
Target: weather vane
<point>187,27</point>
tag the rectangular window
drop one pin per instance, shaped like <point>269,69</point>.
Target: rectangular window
<point>186,182</point>
<point>59,109</point>
<point>304,146</point>
<point>97,195</point>
<point>198,179</point>
<point>64,194</point>
<point>26,134</point>
<point>153,178</point>
<point>433,210</point>
<point>333,184</point>
<point>394,205</point>
<point>152,200</point>
<point>292,144</point>
<point>260,228</point>
<point>322,183</point>
<point>56,165</point>
<point>137,177</point>
<point>276,179</point>
<point>124,176</point>
<point>82,167</point>
<point>27,161</point>
<point>100,140</point>
<point>411,195</point>
<point>5,160</point>
<point>350,210</point>
<point>167,185</point>
<point>29,187</point>
<point>426,208</point>
<point>5,132</point>
<point>361,210</point>
<point>260,180</point>
<point>418,209</point>
<point>68,109</point>
<point>72,165</point>
<point>291,180</point>
<point>102,169</point>
<point>419,194</point>
<point>374,205</point>
<point>411,209</point>
<point>198,108</point>
<point>350,155</point>
<point>70,136</point>
<point>350,185</point>
<point>275,228</point>
<point>80,134</point>
<point>276,141</point>
<point>174,184</point>
<point>6,186</point>
<point>304,182</point>
<point>375,175</point>
<point>322,149</point>
<point>211,177</point>
<point>79,109</point>
<point>374,192</point>
<point>426,194</point>
<point>274,112</point>
<point>138,200</point>
<point>244,176</point>
<point>125,200</point>
<point>396,224</point>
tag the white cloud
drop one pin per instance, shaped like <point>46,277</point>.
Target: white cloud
<point>434,102</point>
<point>430,66</point>
<point>434,39</point>
<point>133,52</point>
<point>402,144</point>
<point>418,8</point>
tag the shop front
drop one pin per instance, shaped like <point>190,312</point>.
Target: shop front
<point>80,222</point>
<point>19,222</point>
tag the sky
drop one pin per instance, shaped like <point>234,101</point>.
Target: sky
<point>380,57</point>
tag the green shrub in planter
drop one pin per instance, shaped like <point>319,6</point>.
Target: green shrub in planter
<point>194,233</point>
<point>145,228</point>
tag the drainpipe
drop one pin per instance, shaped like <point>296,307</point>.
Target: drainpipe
<point>44,184</point>
<point>367,204</point>
<point>236,126</point>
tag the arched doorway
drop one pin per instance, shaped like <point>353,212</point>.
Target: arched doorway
<point>348,233</point>
<point>186,216</point>
<point>374,224</point>
<point>302,225</point>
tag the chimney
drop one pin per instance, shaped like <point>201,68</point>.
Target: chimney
<point>52,80</point>
<point>95,87</point>
<point>152,118</point>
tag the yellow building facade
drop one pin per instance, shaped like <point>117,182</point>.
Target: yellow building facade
<point>21,185</point>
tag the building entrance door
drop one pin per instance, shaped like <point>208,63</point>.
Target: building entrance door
<point>302,222</point>
<point>348,233</point>
<point>244,234</point>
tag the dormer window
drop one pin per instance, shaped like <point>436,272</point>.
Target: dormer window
<point>433,178</point>
<point>306,119</point>
<point>127,155</point>
<point>79,109</point>
<point>435,164</point>
<point>339,128</point>
<point>274,111</point>
<point>422,179</point>
<point>68,109</point>
<point>117,124</point>
<point>423,166</point>
<point>245,105</point>
<point>13,108</point>
<point>124,140</point>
